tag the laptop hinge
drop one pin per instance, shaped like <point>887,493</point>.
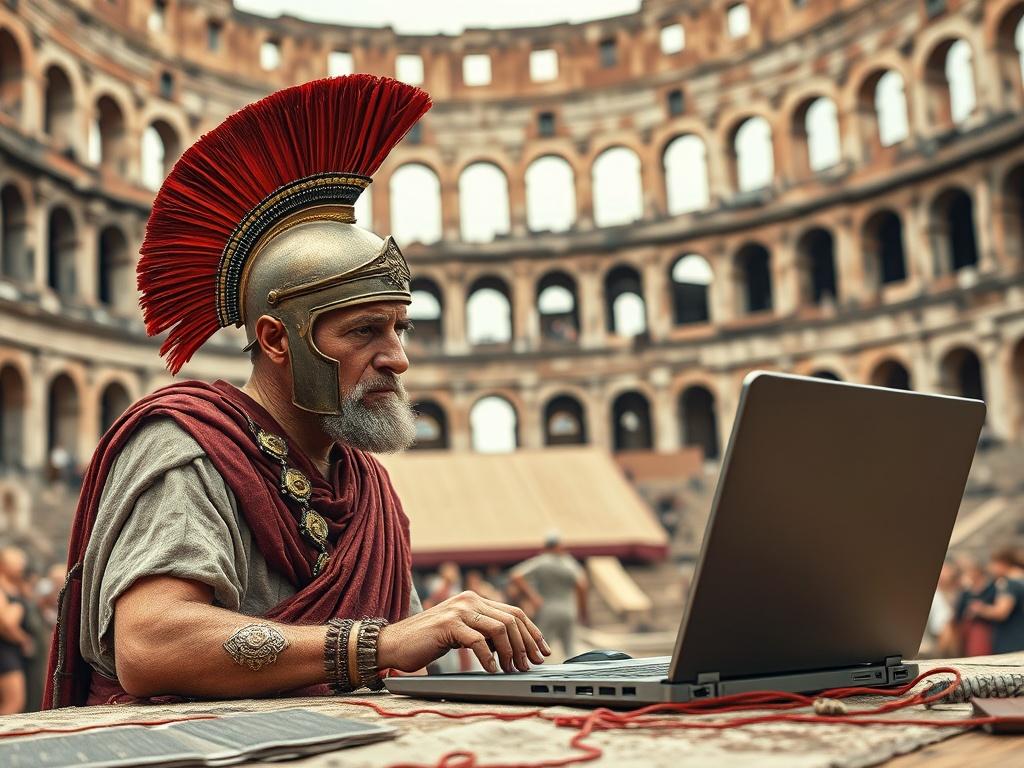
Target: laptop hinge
<point>706,678</point>
<point>893,661</point>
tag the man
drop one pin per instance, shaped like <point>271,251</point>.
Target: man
<point>1006,611</point>
<point>244,542</point>
<point>557,586</point>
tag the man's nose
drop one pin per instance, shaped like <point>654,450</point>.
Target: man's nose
<point>393,357</point>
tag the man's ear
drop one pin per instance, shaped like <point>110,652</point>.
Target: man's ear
<point>272,339</point>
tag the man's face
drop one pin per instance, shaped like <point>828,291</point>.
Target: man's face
<point>367,340</point>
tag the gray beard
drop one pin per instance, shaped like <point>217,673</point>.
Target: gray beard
<point>387,426</point>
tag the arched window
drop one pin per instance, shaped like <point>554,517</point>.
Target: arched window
<point>960,75</point>
<point>1013,212</point>
<point>160,148</point>
<point>489,312</point>
<point>11,75</point>
<point>827,375</point>
<point>107,136</point>
<point>631,423</point>
<point>431,426</point>
<point>62,242</point>
<point>556,304</point>
<point>415,193</point>
<point>426,314</point>
<point>483,203</point>
<point>698,422</point>
<point>686,174</point>
<point>754,274</point>
<point>952,229</point>
<point>550,195</point>
<point>618,190</point>
<point>62,427</point>
<point>755,160</point>
<point>114,401</point>
<point>117,285</point>
<point>691,279</point>
<point>59,107</point>
<point>822,125</point>
<point>493,425</point>
<point>882,240</point>
<point>961,374</point>
<point>14,256</point>
<point>891,109</point>
<point>817,265</point>
<point>564,422</point>
<point>625,310</point>
<point>890,374</point>
<point>12,417</point>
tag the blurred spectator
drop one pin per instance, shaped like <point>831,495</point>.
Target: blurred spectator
<point>447,583</point>
<point>1006,611</point>
<point>667,509</point>
<point>48,591</point>
<point>16,643</point>
<point>475,582</point>
<point>557,585</point>
<point>975,633</point>
<point>940,634</point>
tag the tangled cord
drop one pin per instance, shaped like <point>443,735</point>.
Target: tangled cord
<point>827,708</point>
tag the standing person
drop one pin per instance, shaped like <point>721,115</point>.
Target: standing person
<point>940,632</point>
<point>229,541</point>
<point>555,583</point>
<point>15,641</point>
<point>1006,611</point>
<point>975,633</point>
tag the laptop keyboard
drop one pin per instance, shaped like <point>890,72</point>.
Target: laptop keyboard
<point>640,670</point>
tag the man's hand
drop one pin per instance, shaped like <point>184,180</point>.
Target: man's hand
<point>464,621</point>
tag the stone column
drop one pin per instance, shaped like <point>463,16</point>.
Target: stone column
<point>584,194</point>
<point>722,303</point>
<point>87,261</point>
<point>918,246</point>
<point>454,296</point>
<point>40,247</point>
<point>88,420</point>
<point>666,425</point>
<point>525,316</point>
<point>984,225</point>
<point>531,428</point>
<point>591,306</point>
<point>458,419</point>
<point>786,276</point>
<point>598,416</point>
<point>35,416</point>
<point>659,320</point>
<point>998,395</point>
<point>517,204</point>
<point>849,256</point>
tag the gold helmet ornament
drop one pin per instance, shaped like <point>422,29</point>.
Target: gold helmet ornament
<point>258,218</point>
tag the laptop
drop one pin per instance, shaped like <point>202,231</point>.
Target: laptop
<point>828,528</point>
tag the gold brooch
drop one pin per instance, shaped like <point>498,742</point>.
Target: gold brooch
<point>315,525</point>
<point>296,485</point>
<point>271,444</point>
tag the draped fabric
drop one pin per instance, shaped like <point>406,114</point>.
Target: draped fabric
<point>369,569</point>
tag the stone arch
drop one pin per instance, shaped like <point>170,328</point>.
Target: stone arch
<point>753,275</point>
<point>63,414</point>
<point>565,421</point>
<point>617,187</point>
<point>426,313</point>
<point>1008,46</point>
<point>883,109</point>
<point>632,429</point>
<point>814,128</point>
<point>816,264</point>
<point>952,230</point>
<point>685,163</point>
<point>550,194</point>
<point>1013,212</point>
<point>558,308</point>
<point>753,154</point>
<point>431,426</point>
<point>698,420</point>
<point>489,312</point>
<point>625,308</point>
<point>414,190</point>
<point>961,373</point>
<point>483,202</point>
<point>690,278</point>
<point>161,146</point>
<point>108,138</point>
<point>59,107</point>
<point>892,374</point>
<point>116,284</point>
<point>61,250</point>
<point>15,262</point>
<point>13,407</point>
<point>949,82</point>
<point>12,75</point>
<point>882,241</point>
<point>826,373</point>
<point>494,425</point>
<point>114,400</point>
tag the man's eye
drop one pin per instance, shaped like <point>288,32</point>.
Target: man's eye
<point>363,331</point>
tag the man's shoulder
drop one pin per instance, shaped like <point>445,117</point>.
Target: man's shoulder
<point>157,443</point>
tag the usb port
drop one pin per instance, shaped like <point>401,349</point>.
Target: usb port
<point>605,691</point>
<point>559,689</point>
<point>900,674</point>
<point>584,690</point>
<point>702,692</point>
<point>539,688</point>
<point>629,690</point>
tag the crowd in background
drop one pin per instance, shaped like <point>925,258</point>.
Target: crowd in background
<point>28,613</point>
<point>978,608</point>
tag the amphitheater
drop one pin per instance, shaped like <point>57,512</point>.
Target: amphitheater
<point>610,223</point>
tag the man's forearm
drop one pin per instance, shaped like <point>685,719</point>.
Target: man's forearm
<point>179,649</point>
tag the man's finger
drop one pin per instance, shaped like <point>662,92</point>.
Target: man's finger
<point>493,628</point>
<point>510,627</point>
<point>531,628</point>
<point>470,638</point>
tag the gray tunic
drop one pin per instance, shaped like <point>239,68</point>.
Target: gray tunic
<point>166,511</point>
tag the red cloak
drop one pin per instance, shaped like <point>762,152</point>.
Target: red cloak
<point>369,569</point>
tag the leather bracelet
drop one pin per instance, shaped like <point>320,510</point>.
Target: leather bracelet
<point>336,663</point>
<point>366,653</point>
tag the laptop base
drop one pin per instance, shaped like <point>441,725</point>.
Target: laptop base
<point>577,685</point>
